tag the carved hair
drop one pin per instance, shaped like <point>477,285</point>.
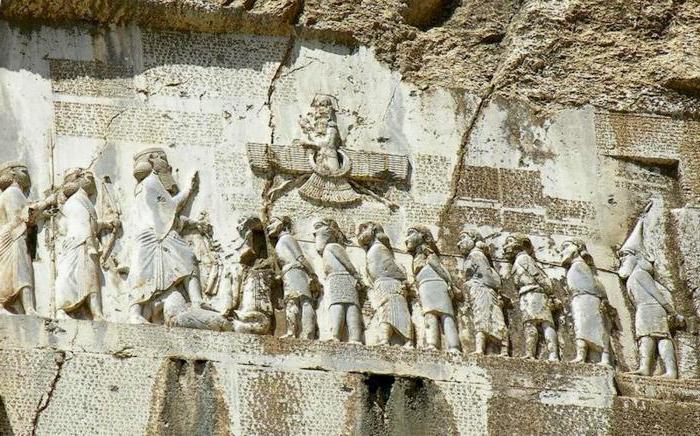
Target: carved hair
<point>522,242</point>
<point>337,235</point>
<point>8,175</point>
<point>582,250</point>
<point>71,181</point>
<point>286,222</point>
<point>378,233</point>
<point>473,235</point>
<point>427,238</point>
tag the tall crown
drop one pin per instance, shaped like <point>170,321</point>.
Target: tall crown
<point>148,151</point>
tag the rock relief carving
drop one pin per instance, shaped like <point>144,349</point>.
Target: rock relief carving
<point>299,281</point>
<point>655,315</point>
<point>435,289</point>
<point>342,282</point>
<point>483,285</point>
<point>251,307</point>
<point>326,171</point>
<point>161,260</point>
<point>535,294</point>
<point>17,215</point>
<point>590,310</point>
<point>208,253</point>
<point>79,251</point>
<point>388,286</point>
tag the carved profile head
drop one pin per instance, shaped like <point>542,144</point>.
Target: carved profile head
<point>78,178</point>
<point>277,225</point>
<point>254,245</point>
<point>368,232</point>
<point>573,248</point>
<point>517,243</point>
<point>15,172</point>
<point>154,160</point>
<point>468,239</point>
<point>420,239</point>
<point>633,253</point>
<point>327,231</point>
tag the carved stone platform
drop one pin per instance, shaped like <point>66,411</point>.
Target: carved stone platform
<point>68,377</point>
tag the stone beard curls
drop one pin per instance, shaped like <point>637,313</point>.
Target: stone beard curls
<point>15,174</point>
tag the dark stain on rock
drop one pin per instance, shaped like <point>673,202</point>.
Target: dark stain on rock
<point>394,405</point>
<point>187,400</point>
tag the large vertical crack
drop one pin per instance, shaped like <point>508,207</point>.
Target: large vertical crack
<point>484,101</point>
<point>285,62</point>
<point>60,360</point>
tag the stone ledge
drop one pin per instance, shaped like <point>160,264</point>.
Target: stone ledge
<point>587,384</point>
<point>658,388</point>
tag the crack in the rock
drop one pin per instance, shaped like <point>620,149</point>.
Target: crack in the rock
<point>484,99</point>
<point>107,129</point>
<point>60,359</point>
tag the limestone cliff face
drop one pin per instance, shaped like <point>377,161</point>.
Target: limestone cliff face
<point>557,119</point>
<point>641,56</point>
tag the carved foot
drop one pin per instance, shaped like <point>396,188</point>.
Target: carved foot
<point>5,312</point>
<point>32,312</point>
<point>431,348</point>
<point>670,375</point>
<point>454,351</point>
<point>553,358</point>
<point>477,353</point>
<point>383,343</point>
<point>640,372</point>
<point>408,345</point>
<point>578,360</point>
<point>503,354</point>
<point>287,335</point>
<point>355,342</point>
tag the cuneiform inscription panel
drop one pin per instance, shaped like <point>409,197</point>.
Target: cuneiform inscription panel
<point>646,136</point>
<point>138,124</point>
<point>91,78</point>
<point>215,66</point>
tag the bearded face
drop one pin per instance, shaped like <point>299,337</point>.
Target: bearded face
<point>87,182</point>
<point>19,175</point>
<point>162,168</point>
<point>365,235</point>
<point>275,227</point>
<point>466,243</point>
<point>323,235</point>
<point>512,247</point>
<point>414,239</point>
<point>628,262</point>
<point>569,251</point>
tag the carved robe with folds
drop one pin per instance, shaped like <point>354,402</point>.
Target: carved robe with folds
<point>587,304</point>
<point>653,304</point>
<point>16,270</point>
<point>388,295</point>
<point>161,258</point>
<point>482,285</point>
<point>534,290</point>
<point>78,253</point>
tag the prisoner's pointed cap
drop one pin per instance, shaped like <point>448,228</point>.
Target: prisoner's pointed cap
<point>635,241</point>
<point>148,151</point>
<point>12,164</point>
